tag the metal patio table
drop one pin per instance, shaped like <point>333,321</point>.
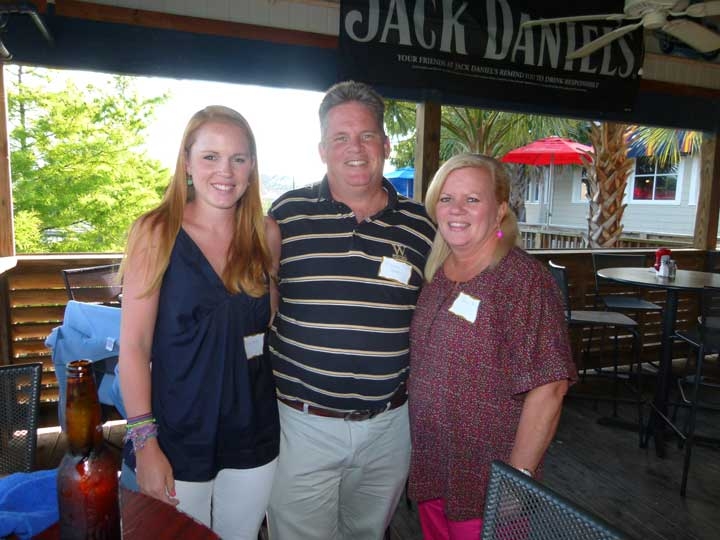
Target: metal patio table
<point>684,281</point>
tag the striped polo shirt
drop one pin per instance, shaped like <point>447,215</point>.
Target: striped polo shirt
<point>341,337</point>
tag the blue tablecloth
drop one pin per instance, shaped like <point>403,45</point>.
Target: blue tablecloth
<point>28,503</point>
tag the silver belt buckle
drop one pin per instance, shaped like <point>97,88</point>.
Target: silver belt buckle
<point>355,416</point>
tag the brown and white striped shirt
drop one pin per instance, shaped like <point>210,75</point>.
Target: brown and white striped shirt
<point>341,337</point>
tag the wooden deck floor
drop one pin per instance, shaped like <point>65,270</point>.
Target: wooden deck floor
<point>599,467</point>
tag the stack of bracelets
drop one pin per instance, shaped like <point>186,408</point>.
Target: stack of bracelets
<point>140,429</point>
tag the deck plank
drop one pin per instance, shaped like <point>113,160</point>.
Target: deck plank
<point>603,470</point>
<point>600,468</point>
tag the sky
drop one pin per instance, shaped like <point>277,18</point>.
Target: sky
<point>284,121</point>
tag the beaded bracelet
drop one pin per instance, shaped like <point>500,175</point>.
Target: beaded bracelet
<point>140,423</point>
<point>135,420</point>
<point>139,434</point>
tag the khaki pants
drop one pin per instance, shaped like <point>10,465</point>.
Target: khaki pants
<point>337,479</point>
<point>233,504</point>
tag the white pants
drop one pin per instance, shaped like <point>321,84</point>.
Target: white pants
<point>233,504</point>
<point>338,479</point>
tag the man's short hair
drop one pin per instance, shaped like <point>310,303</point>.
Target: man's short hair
<point>347,91</point>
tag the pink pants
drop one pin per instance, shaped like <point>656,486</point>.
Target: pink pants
<point>436,526</point>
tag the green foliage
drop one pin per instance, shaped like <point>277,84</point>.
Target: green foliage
<point>464,129</point>
<point>28,235</point>
<point>80,173</point>
<point>400,125</point>
<point>488,132</point>
<point>666,145</point>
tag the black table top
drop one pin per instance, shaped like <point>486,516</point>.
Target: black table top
<point>690,280</point>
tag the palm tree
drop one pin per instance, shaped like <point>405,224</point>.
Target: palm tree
<point>608,175</point>
<point>607,180</point>
<point>489,132</point>
<point>664,144</point>
<point>496,132</point>
<point>483,131</point>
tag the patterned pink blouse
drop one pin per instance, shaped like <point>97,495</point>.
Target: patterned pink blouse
<point>467,380</point>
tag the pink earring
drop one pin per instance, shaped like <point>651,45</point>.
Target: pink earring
<point>499,234</point>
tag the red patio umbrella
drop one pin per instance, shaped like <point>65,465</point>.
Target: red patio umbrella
<point>549,151</point>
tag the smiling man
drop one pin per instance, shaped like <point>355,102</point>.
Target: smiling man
<point>351,256</point>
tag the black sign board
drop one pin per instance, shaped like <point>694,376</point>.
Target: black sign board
<point>478,48</point>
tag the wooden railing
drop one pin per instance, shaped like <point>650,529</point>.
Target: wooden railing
<point>550,237</point>
<point>33,299</point>
<point>32,303</point>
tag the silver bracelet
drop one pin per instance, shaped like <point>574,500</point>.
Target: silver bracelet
<point>527,472</point>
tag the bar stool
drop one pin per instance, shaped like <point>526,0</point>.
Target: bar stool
<point>705,339</point>
<point>614,297</point>
<point>606,319</point>
<point>608,293</point>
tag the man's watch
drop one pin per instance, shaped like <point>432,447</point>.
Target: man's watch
<point>527,472</point>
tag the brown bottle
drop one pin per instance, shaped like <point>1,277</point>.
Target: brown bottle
<point>87,478</point>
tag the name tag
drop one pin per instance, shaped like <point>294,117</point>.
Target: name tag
<point>254,345</point>
<point>395,270</point>
<point>466,307</point>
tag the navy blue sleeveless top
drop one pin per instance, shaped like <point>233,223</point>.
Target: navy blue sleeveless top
<point>215,408</point>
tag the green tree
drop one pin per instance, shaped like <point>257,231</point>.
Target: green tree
<point>496,132</point>
<point>611,167</point>
<point>80,173</point>
<point>464,129</point>
<point>666,145</point>
<point>489,132</point>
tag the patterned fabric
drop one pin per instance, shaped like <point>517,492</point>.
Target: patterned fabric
<point>340,339</point>
<point>467,380</point>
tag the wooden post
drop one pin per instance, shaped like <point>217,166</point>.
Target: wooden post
<point>7,238</point>
<point>708,205</point>
<point>427,147</point>
<point>4,321</point>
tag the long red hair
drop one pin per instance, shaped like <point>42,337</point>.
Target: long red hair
<point>248,259</point>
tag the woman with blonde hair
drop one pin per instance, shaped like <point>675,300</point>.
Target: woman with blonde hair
<point>489,353</point>
<point>202,430</point>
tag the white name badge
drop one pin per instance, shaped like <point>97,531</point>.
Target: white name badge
<point>395,270</point>
<point>465,306</point>
<point>254,345</point>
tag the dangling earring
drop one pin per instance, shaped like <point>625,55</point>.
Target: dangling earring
<point>189,180</point>
<point>499,233</point>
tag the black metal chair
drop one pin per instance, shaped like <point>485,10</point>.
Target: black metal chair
<point>94,284</point>
<point>705,339</point>
<point>516,506</point>
<point>614,296</point>
<point>712,262</point>
<point>618,322</point>
<point>19,403</point>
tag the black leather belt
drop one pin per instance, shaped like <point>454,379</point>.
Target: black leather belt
<point>398,399</point>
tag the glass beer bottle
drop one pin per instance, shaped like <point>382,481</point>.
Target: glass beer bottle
<point>87,479</point>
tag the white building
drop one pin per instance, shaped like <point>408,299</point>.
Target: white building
<point>659,200</point>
